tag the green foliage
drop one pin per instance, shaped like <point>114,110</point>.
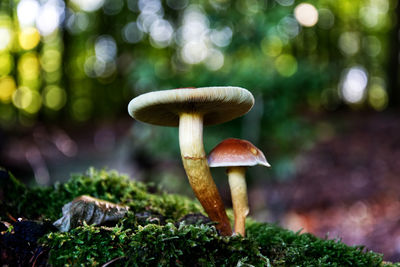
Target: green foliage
<point>133,242</point>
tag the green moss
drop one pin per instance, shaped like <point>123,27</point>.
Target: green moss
<point>47,202</point>
<point>86,244</point>
<point>134,243</point>
<point>285,248</point>
<point>152,245</point>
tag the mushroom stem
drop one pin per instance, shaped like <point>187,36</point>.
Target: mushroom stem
<point>196,167</point>
<point>237,184</point>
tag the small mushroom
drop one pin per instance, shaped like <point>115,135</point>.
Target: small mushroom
<point>91,210</point>
<point>237,155</point>
<point>190,109</point>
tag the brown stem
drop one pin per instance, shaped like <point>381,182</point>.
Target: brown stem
<point>196,167</point>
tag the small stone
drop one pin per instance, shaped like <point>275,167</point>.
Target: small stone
<point>90,210</point>
<point>149,217</point>
<point>194,219</point>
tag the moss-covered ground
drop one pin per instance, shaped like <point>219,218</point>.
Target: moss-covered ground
<point>168,241</point>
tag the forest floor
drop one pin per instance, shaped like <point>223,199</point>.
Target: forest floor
<point>347,185</point>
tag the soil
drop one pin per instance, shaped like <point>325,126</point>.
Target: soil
<point>19,247</point>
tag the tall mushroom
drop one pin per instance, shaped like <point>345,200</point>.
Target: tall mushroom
<point>237,155</point>
<point>190,109</point>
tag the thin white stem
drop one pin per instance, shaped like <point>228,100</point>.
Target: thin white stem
<point>237,184</point>
<point>196,167</point>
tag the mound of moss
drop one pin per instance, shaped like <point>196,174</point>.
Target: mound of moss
<point>168,241</point>
<point>46,203</point>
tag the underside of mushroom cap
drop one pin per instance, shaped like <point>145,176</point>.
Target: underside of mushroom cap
<point>236,152</point>
<point>216,104</point>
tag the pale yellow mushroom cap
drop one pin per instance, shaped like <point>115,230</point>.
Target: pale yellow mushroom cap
<point>234,152</point>
<point>216,104</point>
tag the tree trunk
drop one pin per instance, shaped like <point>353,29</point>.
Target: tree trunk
<point>393,61</point>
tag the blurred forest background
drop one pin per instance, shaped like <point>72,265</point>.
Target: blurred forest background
<point>324,75</point>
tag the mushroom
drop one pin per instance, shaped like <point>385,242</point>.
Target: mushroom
<point>237,155</point>
<point>190,109</point>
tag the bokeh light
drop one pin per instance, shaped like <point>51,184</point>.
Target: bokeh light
<point>7,88</point>
<point>286,65</point>
<point>285,2</point>
<point>50,60</point>
<point>54,97</point>
<point>149,6</point>
<point>110,42</point>
<point>131,33</point>
<point>199,43</point>
<point>29,38</point>
<point>28,66</point>
<point>194,52</point>
<point>288,27</point>
<point>221,37</point>
<point>150,11</point>
<point>88,5</point>
<point>53,77</point>
<point>272,46</point>
<point>326,19</point>
<point>27,11</point>
<point>105,48</point>
<point>27,100</point>
<point>306,14</point>
<point>50,16</point>
<point>77,22</point>
<point>377,95</point>
<point>374,14</point>
<point>5,38</point>
<point>353,84</point>
<point>349,43</point>
<point>214,60</point>
<point>194,26</point>
<point>161,33</point>
<point>113,7</point>
<point>97,67</point>
<point>372,45</point>
<point>6,63</point>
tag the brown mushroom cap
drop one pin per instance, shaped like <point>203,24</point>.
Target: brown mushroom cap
<point>236,152</point>
<point>217,104</point>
